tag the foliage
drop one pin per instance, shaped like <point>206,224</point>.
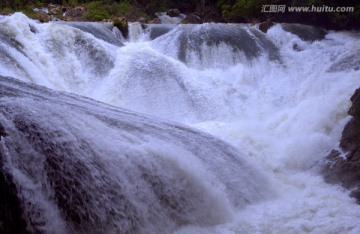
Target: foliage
<point>97,11</point>
<point>100,10</point>
<point>230,10</point>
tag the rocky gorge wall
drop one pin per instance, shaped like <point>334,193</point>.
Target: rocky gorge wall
<point>342,166</point>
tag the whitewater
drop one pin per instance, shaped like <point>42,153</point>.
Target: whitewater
<point>279,98</point>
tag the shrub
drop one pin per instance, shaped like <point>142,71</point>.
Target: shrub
<point>97,11</point>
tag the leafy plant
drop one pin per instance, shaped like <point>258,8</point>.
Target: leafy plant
<point>97,11</point>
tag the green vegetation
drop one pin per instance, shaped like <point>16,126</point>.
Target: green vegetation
<point>239,10</point>
<point>226,10</point>
<point>250,10</point>
<point>99,10</point>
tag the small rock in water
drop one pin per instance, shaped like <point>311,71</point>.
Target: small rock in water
<point>155,21</point>
<point>173,12</point>
<point>264,26</point>
<point>43,17</point>
<point>122,24</point>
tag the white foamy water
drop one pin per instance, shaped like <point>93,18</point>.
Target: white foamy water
<point>284,108</point>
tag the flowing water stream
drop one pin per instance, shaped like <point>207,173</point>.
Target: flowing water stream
<point>147,163</point>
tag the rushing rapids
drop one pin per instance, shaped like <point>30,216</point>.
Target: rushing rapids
<point>72,164</point>
<point>80,166</point>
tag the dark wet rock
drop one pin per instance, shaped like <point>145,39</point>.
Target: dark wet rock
<point>296,47</point>
<point>10,209</point>
<point>159,30</point>
<point>251,42</point>
<point>264,26</point>
<point>305,32</point>
<point>100,30</point>
<point>33,29</point>
<point>191,19</point>
<point>173,12</point>
<point>344,167</point>
<point>122,24</point>
<point>355,108</point>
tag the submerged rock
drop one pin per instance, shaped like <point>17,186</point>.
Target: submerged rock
<point>305,32</point>
<point>344,167</point>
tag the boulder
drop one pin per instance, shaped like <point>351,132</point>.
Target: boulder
<point>173,12</point>
<point>344,168</point>
<point>355,108</point>
<point>43,17</point>
<point>305,32</point>
<point>264,26</point>
<point>75,14</point>
<point>55,9</point>
<point>122,24</point>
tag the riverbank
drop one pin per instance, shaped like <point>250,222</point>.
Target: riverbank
<point>335,16</point>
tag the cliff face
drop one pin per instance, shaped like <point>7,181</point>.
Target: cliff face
<point>344,167</point>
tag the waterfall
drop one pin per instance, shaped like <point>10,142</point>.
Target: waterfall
<point>81,166</point>
<point>135,32</point>
<point>212,128</point>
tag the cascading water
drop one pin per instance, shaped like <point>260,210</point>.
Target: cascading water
<point>279,97</point>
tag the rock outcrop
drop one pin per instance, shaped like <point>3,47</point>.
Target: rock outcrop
<point>305,32</point>
<point>344,167</point>
<point>43,17</point>
<point>75,13</point>
<point>264,26</point>
<point>173,12</point>
<point>55,9</point>
<point>122,24</point>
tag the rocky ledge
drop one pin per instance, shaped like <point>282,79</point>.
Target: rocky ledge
<point>342,166</point>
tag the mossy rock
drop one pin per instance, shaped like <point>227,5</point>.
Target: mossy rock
<point>43,17</point>
<point>122,24</point>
